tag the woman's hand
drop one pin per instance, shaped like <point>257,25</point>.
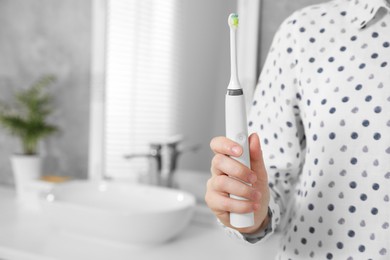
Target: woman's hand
<point>220,185</point>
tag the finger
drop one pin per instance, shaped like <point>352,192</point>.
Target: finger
<point>226,146</point>
<point>215,171</point>
<point>256,157</point>
<point>221,203</point>
<point>224,165</point>
<point>227,185</point>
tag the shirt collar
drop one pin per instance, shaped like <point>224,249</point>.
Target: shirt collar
<point>365,11</point>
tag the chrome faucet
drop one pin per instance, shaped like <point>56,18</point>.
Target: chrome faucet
<point>155,163</point>
<point>163,160</point>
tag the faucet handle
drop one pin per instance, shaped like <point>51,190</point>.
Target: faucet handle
<point>154,151</point>
<point>189,148</point>
<point>154,156</point>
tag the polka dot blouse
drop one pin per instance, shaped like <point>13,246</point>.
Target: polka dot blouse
<point>322,111</point>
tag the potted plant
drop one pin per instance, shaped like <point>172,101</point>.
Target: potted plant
<point>27,120</point>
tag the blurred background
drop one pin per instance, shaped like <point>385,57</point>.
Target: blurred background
<point>129,74</point>
<point>57,37</point>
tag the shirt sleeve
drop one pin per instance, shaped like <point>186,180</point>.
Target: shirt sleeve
<point>262,235</point>
<point>275,116</point>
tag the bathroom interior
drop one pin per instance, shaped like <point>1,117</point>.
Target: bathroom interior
<point>137,92</point>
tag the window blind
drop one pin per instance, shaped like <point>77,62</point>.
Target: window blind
<point>142,82</point>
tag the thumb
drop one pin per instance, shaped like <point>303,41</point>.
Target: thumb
<point>256,157</point>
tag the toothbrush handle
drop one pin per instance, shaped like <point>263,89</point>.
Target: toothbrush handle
<point>236,130</point>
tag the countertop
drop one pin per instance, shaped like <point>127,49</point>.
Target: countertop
<point>25,235</point>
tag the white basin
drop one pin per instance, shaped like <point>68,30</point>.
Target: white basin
<point>123,212</point>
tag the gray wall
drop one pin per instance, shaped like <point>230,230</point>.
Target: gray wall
<point>273,14</point>
<point>45,36</point>
<point>205,75</point>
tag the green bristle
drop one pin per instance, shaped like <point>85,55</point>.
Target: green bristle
<point>233,20</point>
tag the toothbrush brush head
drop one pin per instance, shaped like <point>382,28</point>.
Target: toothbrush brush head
<point>233,20</point>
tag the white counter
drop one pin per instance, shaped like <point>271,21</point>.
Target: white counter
<point>25,235</point>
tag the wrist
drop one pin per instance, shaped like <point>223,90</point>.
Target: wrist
<point>261,228</point>
<point>258,228</point>
<point>265,223</point>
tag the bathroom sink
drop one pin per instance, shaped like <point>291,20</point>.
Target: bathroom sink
<point>123,212</point>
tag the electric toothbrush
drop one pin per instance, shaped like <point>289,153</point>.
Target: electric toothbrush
<point>236,121</point>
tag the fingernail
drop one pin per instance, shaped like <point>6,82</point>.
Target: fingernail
<point>236,150</point>
<point>252,178</point>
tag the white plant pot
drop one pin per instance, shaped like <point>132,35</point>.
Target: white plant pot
<point>26,168</point>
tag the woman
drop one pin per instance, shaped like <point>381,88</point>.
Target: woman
<point>321,114</point>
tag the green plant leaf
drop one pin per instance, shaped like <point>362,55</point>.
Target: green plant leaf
<point>28,119</point>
